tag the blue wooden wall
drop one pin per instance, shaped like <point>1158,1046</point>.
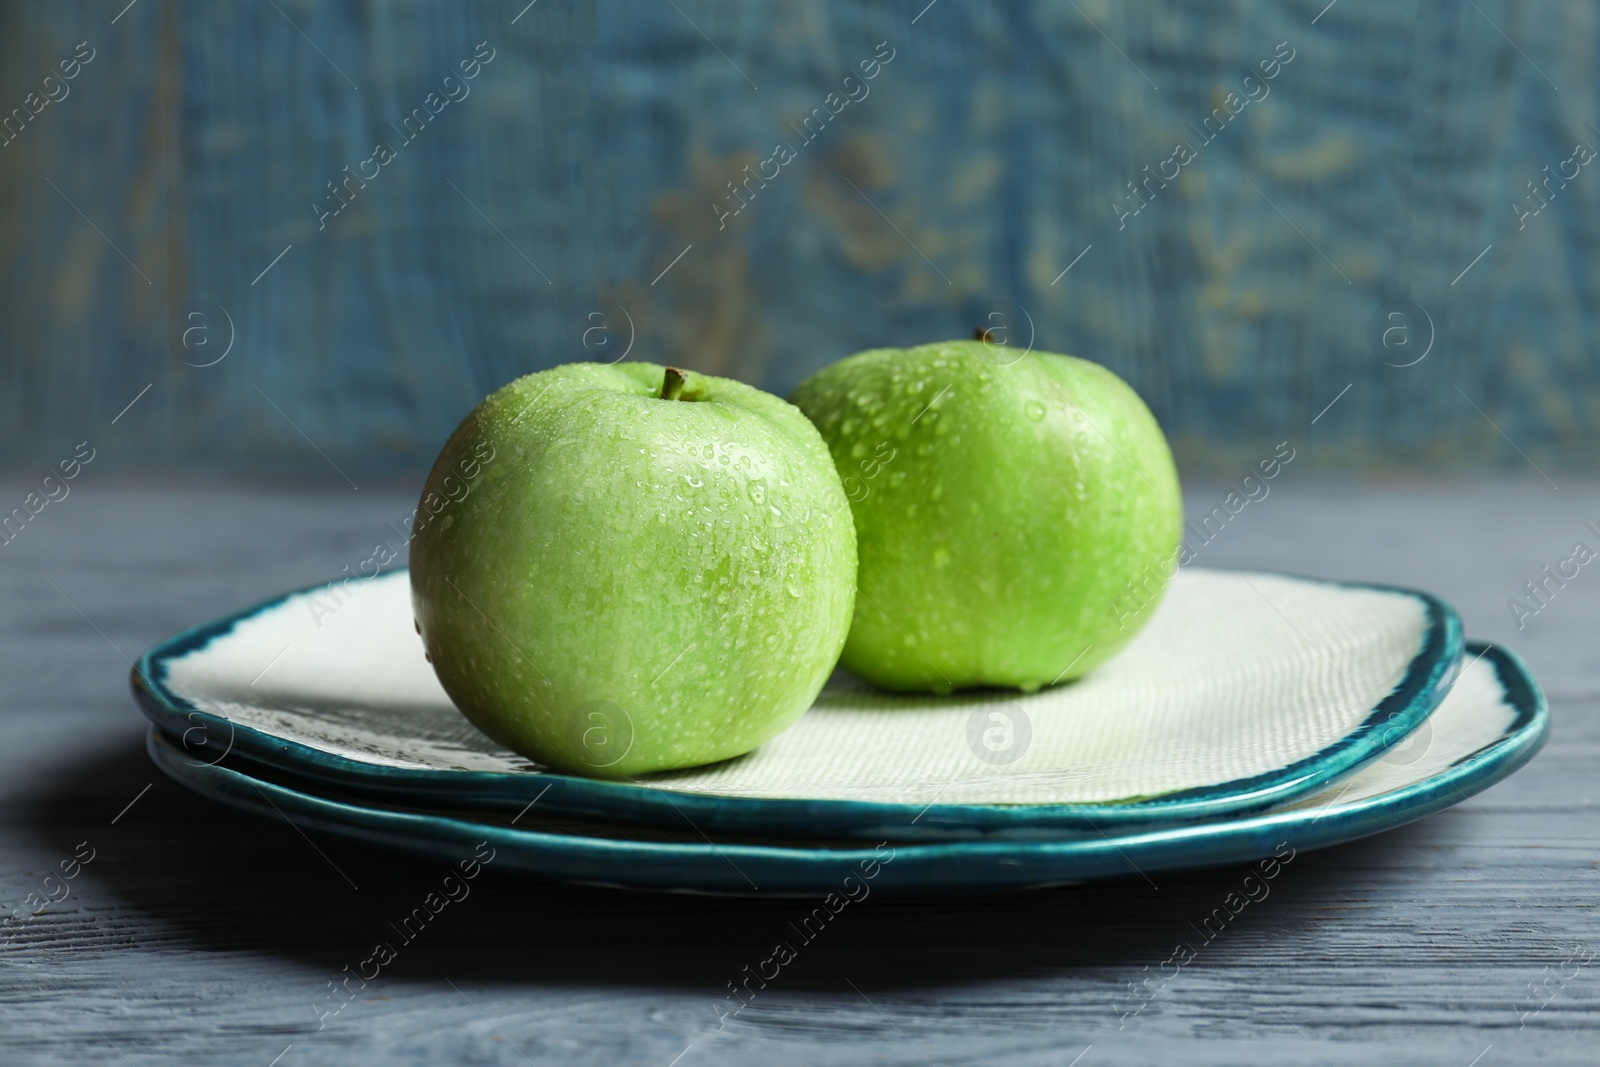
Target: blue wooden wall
<point>170,202</point>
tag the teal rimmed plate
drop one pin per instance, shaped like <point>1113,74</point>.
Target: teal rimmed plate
<point>1492,722</point>
<point>1245,691</point>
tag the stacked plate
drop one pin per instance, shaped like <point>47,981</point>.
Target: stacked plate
<point>1256,713</point>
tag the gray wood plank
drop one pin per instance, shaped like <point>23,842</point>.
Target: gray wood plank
<point>197,934</point>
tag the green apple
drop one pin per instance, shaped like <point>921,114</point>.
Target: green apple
<point>1003,505</point>
<point>638,569</point>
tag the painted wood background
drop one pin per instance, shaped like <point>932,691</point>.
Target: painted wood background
<point>165,206</point>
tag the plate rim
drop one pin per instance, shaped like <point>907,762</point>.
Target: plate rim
<point>946,866</point>
<point>1428,676</point>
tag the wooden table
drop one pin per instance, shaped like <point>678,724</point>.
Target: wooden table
<point>202,935</point>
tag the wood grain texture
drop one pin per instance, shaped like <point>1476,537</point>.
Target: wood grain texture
<point>200,935</point>
<point>594,148</point>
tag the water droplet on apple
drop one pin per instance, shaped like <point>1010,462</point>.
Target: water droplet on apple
<point>694,482</point>
<point>1034,410</point>
<point>758,492</point>
<point>789,588</point>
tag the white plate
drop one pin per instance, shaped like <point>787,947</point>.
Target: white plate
<point>1490,724</point>
<point>1244,691</point>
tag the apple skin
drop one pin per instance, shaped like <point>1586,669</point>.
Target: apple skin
<point>1002,505</point>
<point>621,584</point>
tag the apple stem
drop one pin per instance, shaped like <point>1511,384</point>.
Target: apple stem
<point>671,384</point>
